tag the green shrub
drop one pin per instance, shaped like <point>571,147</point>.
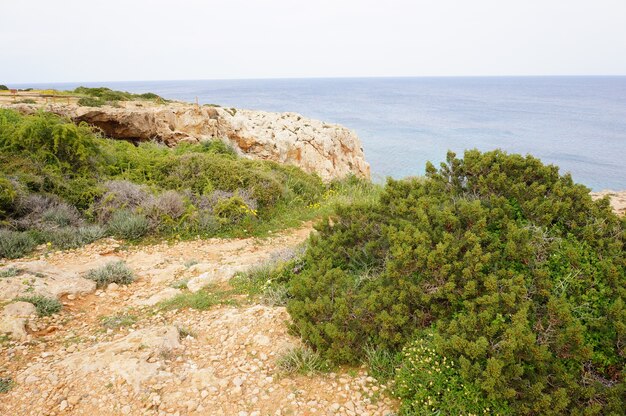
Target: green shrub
<point>15,244</point>
<point>3,88</point>
<point>49,138</point>
<point>128,225</point>
<point>7,196</point>
<point>233,210</point>
<point>91,102</point>
<point>431,384</point>
<point>522,274</point>
<point>45,306</point>
<point>115,272</point>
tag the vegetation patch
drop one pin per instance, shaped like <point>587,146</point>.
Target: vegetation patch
<point>115,272</point>
<point>520,275</point>
<point>118,321</point>
<point>6,384</point>
<point>64,184</point>
<point>201,300</point>
<point>301,360</point>
<point>45,306</point>
<point>10,272</point>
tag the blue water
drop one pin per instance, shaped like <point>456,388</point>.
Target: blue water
<point>577,123</point>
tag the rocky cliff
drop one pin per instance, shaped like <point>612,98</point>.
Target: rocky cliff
<point>330,150</point>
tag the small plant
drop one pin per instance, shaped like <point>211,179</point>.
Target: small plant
<point>128,225</point>
<point>190,263</point>
<point>301,360</point>
<point>45,306</point>
<point>6,383</point>
<point>10,272</point>
<point>180,284</point>
<point>382,363</point>
<point>115,272</point>
<point>26,101</point>
<point>14,244</point>
<point>118,321</point>
<point>184,332</point>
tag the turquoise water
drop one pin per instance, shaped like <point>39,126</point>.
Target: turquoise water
<point>577,123</point>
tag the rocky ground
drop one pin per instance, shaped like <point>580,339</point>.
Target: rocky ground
<point>117,351</point>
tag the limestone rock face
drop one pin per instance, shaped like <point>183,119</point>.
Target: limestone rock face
<point>14,318</point>
<point>135,357</point>
<point>41,278</point>
<point>330,150</point>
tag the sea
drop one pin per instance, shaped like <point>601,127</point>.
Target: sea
<point>577,123</point>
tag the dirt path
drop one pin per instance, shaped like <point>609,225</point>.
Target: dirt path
<point>147,361</point>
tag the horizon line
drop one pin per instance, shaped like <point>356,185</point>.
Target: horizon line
<point>329,78</point>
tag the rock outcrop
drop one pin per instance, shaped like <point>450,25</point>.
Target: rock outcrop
<point>330,150</point>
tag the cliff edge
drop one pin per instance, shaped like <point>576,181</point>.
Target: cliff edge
<point>330,150</point>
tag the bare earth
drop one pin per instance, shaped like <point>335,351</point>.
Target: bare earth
<point>181,362</point>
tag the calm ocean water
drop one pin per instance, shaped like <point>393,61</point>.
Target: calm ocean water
<point>577,123</point>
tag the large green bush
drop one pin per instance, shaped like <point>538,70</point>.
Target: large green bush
<point>521,274</point>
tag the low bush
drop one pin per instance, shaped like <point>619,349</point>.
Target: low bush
<point>115,272</point>
<point>91,102</point>
<point>521,274</point>
<point>128,225</point>
<point>45,306</point>
<point>15,244</point>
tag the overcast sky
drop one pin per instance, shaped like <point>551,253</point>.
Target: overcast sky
<point>116,40</point>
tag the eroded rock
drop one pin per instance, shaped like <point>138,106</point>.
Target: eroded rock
<point>330,150</point>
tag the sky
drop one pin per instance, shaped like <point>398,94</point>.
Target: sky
<point>125,40</point>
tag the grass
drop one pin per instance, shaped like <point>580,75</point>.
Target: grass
<point>118,321</point>
<point>45,306</point>
<point>115,272</point>
<point>301,360</point>
<point>201,300</point>
<point>382,364</point>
